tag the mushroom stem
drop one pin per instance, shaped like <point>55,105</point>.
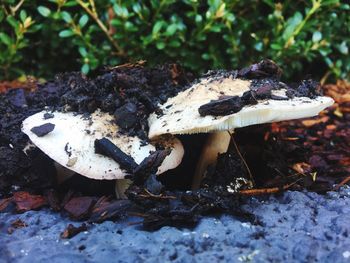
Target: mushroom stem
<point>120,186</point>
<point>215,144</point>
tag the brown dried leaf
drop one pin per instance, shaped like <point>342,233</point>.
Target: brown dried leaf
<point>301,167</point>
<point>4,203</point>
<point>80,207</point>
<point>311,122</point>
<point>18,223</point>
<point>106,209</point>
<point>72,231</point>
<point>25,201</point>
<point>53,200</point>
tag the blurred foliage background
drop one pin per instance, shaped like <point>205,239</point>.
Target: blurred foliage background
<point>42,38</point>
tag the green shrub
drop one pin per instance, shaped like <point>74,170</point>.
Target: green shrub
<point>42,38</point>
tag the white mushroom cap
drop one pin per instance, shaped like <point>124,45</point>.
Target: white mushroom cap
<point>71,144</point>
<point>181,116</point>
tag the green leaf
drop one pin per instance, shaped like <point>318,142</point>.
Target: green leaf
<point>292,24</point>
<point>330,2</point>
<point>70,3</point>
<point>316,36</point>
<point>2,15</point>
<point>160,45</point>
<point>174,43</point>
<point>82,51</point>
<point>129,26</point>
<point>136,7</point>
<point>157,27</point>
<point>83,20</point>
<point>44,11</point>
<point>171,29</point>
<point>215,28</point>
<point>324,51</point>
<point>198,18</point>
<point>5,39</point>
<point>13,22</point>
<point>276,46</point>
<point>23,15</point>
<point>345,6</point>
<point>205,56</point>
<point>85,69</point>
<point>259,46</point>
<point>66,33</point>
<point>121,11</point>
<point>66,16</point>
<point>343,48</point>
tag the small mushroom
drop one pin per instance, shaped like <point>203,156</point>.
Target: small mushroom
<point>183,114</point>
<point>71,144</point>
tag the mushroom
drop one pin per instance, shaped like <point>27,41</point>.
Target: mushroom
<point>71,144</point>
<point>217,104</point>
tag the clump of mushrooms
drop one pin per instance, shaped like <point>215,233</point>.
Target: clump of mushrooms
<point>217,104</point>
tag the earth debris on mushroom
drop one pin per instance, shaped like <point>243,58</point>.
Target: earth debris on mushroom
<point>138,125</point>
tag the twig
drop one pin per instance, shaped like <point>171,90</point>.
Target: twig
<point>243,160</point>
<point>15,9</point>
<point>325,77</point>
<point>92,12</point>
<point>156,196</point>
<point>337,187</point>
<point>262,191</point>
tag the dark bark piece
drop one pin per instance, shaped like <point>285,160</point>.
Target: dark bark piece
<point>67,196</point>
<point>263,92</point>
<point>42,130</point>
<point>264,69</point>
<point>153,185</point>
<point>149,166</point>
<point>80,208</point>
<point>109,149</point>
<point>221,107</point>
<point>72,231</point>
<point>154,222</point>
<point>251,97</point>
<point>53,200</point>
<point>25,201</point>
<point>260,89</point>
<point>106,209</point>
